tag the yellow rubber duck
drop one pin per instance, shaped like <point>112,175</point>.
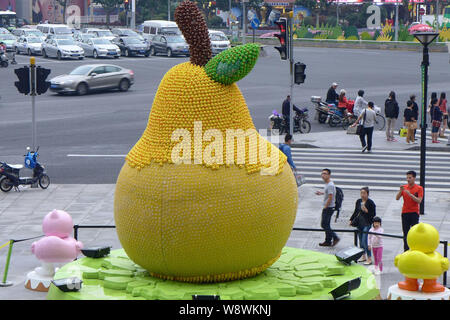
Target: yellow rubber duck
<point>183,211</point>
<point>421,261</point>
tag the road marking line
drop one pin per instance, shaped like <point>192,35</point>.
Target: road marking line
<point>98,155</point>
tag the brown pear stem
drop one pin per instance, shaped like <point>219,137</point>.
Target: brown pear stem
<point>193,26</point>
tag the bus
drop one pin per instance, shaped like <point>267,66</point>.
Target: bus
<point>8,20</point>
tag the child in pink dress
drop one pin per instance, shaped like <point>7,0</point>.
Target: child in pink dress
<point>376,244</point>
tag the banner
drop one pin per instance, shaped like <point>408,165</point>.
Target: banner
<point>53,12</point>
<point>7,5</point>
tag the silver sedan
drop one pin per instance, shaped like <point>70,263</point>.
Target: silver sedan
<point>91,77</point>
<point>99,47</point>
<point>29,45</point>
<point>62,48</point>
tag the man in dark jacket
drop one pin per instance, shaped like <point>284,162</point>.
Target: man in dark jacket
<point>415,108</point>
<point>286,110</point>
<point>332,95</point>
<point>391,111</point>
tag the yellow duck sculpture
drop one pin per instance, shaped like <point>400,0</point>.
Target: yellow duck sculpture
<point>183,210</point>
<point>421,261</point>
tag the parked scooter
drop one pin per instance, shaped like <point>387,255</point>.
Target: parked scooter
<point>322,109</point>
<point>10,173</point>
<point>301,124</point>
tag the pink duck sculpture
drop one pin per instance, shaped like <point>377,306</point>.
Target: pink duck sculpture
<point>56,247</point>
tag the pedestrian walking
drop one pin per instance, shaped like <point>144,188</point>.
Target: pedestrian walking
<point>443,107</point>
<point>329,193</point>
<point>365,211</point>
<point>367,119</point>
<point>415,108</point>
<point>360,103</point>
<point>376,244</point>
<point>409,122</point>
<point>433,96</point>
<point>391,111</point>
<point>286,149</point>
<point>412,195</point>
<point>436,120</point>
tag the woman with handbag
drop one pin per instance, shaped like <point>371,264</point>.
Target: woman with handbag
<point>368,117</point>
<point>436,119</point>
<point>365,211</point>
<point>410,122</point>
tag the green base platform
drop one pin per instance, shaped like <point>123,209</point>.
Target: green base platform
<point>297,275</point>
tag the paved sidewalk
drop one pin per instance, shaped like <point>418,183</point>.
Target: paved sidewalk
<point>339,138</point>
<point>21,215</point>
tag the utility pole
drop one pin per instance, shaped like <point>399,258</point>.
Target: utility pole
<point>133,14</point>
<point>229,16</point>
<point>168,10</point>
<point>243,22</point>
<point>291,75</point>
<point>396,21</point>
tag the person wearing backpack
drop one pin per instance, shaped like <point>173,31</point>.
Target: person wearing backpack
<point>391,111</point>
<point>362,218</point>
<point>329,193</point>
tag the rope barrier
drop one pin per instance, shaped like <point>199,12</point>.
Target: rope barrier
<point>7,243</point>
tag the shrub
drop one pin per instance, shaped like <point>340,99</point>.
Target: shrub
<point>376,34</point>
<point>301,32</point>
<point>366,36</point>
<point>321,36</point>
<point>309,35</point>
<point>331,21</point>
<point>350,31</point>
<point>353,38</point>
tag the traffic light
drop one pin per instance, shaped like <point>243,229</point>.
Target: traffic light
<point>283,37</point>
<point>127,4</point>
<point>299,72</point>
<point>23,85</point>
<point>41,84</point>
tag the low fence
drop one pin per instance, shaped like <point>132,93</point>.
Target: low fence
<point>76,228</point>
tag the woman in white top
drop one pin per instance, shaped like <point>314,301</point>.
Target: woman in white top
<point>360,104</point>
<point>367,119</point>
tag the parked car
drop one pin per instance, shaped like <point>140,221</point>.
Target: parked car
<point>152,28</point>
<point>130,46</point>
<point>99,47</point>
<point>9,40</point>
<point>123,32</point>
<point>101,33</point>
<point>219,41</point>
<point>29,45</point>
<point>169,45</point>
<point>87,78</point>
<point>62,48</point>
<point>28,33</point>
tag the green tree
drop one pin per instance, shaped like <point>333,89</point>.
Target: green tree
<point>109,6</point>
<point>318,7</point>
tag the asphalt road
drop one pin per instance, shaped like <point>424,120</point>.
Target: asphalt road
<point>110,123</point>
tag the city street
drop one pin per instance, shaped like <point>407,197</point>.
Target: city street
<point>83,139</point>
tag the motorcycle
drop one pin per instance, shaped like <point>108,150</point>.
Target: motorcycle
<point>322,109</point>
<point>301,124</point>
<point>3,59</point>
<point>10,173</point>
<point>338,118</point>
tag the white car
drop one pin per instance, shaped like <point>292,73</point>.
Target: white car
<point>62,48</point>
<point>219,41</point>
<point>99,47</point>
<point>29,45</point>
<point>102,33</point>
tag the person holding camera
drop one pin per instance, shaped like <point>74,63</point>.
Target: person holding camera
<point>365,211</point>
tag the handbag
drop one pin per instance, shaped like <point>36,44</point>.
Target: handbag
<point>356,221</point>
<point>436,123</point>
<point>413,125</point>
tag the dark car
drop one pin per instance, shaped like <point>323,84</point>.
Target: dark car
<point>131,46</point>
<point>123,32</point>
<point>170,45</point>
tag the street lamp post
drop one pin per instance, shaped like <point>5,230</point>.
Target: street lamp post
<point>425,38</point>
